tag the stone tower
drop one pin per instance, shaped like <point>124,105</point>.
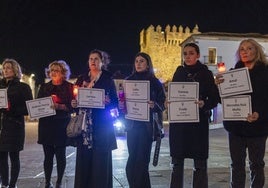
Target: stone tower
<point>164,48</point>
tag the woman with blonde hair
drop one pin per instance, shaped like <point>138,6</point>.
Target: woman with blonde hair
<point>12,124</point>
<point>250,136</point>
<point>52,129</point>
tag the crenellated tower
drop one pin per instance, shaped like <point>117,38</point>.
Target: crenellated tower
<point>164,47</point>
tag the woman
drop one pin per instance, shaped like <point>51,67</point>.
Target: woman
<point>140,134</point>
<point>12,124</point>
<point>250,135</point>
<point>94,150</point>
<point>61,92</point>
<point>190,140</point>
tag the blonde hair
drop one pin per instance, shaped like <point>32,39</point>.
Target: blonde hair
<point>65,69</point>
<point>15,67</point>
<point>261,57</point>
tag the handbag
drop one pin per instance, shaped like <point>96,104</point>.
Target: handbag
<point>76,125</point>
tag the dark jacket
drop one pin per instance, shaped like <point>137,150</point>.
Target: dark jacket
<point>12,125</point>
<point>157,94</point>
<point>190,140</point>
<point>259,102</point>
<point>52,129</point>
<point>103,131</point>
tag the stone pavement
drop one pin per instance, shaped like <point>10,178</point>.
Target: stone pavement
<point>218,164</point>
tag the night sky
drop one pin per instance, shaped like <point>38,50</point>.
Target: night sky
<point>37,32</point>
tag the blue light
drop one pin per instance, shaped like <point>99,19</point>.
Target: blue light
<point>118,124</point>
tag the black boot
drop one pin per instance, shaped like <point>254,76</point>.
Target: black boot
<point>59,185</point>
<point>49,185</point>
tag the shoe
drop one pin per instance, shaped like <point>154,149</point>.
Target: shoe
<point>59,185</point>
<point>49,185</point>
<point>4,186</point>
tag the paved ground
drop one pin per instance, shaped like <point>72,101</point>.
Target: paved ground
<point>31,175</point>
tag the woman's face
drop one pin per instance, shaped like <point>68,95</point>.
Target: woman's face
<point>247,52</point>
<point>55,73</point>
<point>95,62</point>
<point>190,55</point>
<point>141,64</point>
<point>8,71</point>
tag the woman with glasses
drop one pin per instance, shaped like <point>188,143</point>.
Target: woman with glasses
<point>52,129</point>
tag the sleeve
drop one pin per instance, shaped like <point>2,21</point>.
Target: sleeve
<point>213,97</point>
<point>19,104</point>
<point>160,96</point>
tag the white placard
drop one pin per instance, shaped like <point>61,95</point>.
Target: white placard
<point>3,98</point>
<point>236,108</point>
<point>138,111</point>
<point>41,107</point>
<point>183,91</point>
<point>91,98</point>
<point>183,111</point>
<point>137,90</point>
<point>235,82</point>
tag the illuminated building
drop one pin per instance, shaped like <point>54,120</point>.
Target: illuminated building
<point>164,48</point>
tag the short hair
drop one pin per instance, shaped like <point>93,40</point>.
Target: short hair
<point>15,67</point>
<point>65,69</point>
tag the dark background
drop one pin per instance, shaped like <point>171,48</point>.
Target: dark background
<point>37,32</point>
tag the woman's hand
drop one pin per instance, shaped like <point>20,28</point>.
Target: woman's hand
<point>151,104</point>
<point>74,103</point>
<point>219,79</point>
<point>200,103</point>
<point>107,99</point>
<point>253,117</point>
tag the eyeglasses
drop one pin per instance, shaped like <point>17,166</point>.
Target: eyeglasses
<point>55,70</point>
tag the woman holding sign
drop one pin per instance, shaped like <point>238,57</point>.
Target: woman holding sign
<point>140,134</point>
<point>52,129</point>
<point>12,124</point>
<point>94,150</point>
<point>190,139</point>
<point>250,135</point>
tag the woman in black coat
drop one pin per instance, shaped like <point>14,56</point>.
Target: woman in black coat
<point>12,124</point>
<point>249,136</point>
<point>191,140</point>
<point>52,129</point>
<point>94,148</point>
<point>140,134</point>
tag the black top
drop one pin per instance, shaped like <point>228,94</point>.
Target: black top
<point>12,133</point>
<point>190,140</point>
<point>259,102</point>
<point>52,129</point>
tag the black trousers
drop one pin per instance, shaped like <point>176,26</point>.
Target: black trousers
<point>139,144</point>
<point>60,153</point>
<point>238,147</point>
<point>15,168</point>
<point>200,176</point>
<point>93,168</point>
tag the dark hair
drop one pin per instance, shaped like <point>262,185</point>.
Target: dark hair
<point>149,62</point>
<point>194,45</point>
<point>104,56</point>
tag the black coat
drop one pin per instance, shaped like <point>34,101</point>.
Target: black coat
<point>259,102</point>
<point>157,94</point>
<point>190,140</point>
<point>12,134</point>
<point>103,131</point>
<point>52,129</point>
